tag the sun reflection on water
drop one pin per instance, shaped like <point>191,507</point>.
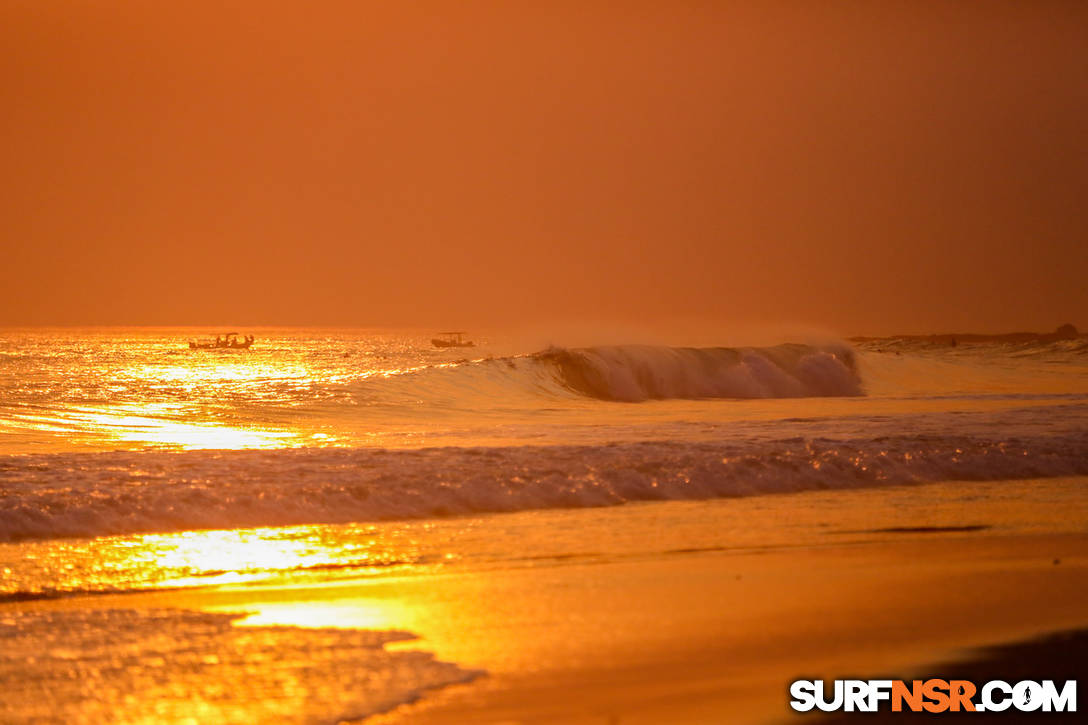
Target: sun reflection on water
<point>203,558</point>
<point>147,424</point>
<point>356,613</point>
<point>137,392</point>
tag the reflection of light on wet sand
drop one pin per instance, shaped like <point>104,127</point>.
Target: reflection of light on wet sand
<point>356,613</point>
<point>238,551</point>
<point>244,553</point>
<point>216,557</point>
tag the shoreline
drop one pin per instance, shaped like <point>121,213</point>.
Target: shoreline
<point>691,638</point>
<point>640,615</point>
<point>739,673</point>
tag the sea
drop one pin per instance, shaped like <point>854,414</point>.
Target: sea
<point>131,463</point>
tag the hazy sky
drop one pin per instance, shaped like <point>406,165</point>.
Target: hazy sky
<point>864,166</point>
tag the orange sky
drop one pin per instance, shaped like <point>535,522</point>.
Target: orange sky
<point>864,166</point>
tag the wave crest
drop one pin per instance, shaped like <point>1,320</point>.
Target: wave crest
<point>641,372</point>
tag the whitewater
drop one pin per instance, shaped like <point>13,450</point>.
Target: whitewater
<point>116,432</point>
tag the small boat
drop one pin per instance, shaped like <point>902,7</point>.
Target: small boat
<point>452,339</point>
<point>227,341</point>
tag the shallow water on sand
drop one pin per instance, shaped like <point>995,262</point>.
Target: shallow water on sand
<point>238,657</point>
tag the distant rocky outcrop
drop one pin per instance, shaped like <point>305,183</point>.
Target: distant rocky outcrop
<point>1063,332</point>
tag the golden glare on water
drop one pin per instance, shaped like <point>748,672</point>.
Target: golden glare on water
<point>145,424</point>
<point>231,555</point>
<point>216,557</point>
<point>118,396</point>
<point>133,392</point>
<point>355,613</point>
<point>245,554</point>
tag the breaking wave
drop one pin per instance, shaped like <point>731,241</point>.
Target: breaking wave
<point>640,372</point>
<point>632,373</point>
<point>66,495</point>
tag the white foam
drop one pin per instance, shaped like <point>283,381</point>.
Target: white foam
<point>58,495</point>
<point>174,666</point>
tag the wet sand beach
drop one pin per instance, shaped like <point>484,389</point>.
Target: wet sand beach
<point>642,629</point>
